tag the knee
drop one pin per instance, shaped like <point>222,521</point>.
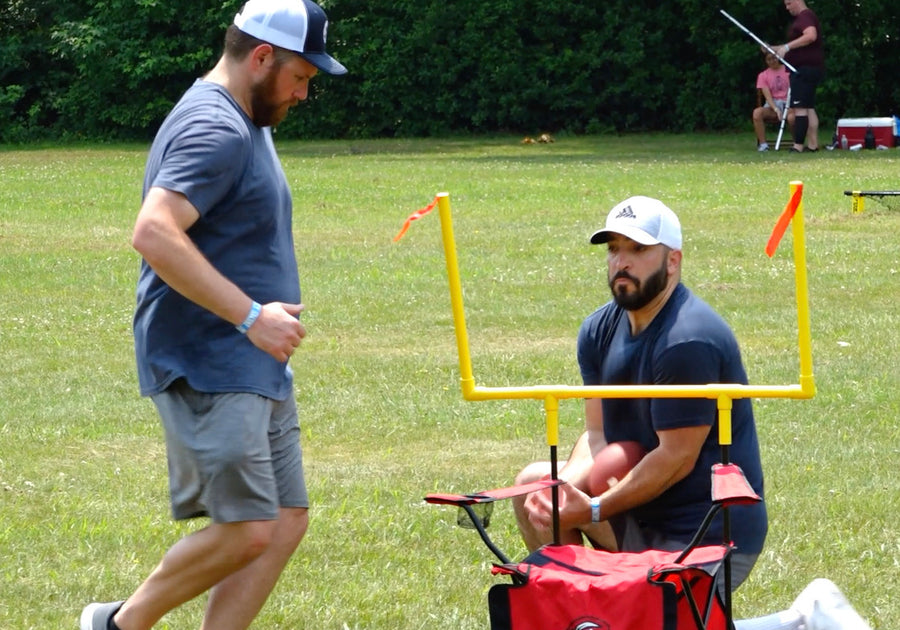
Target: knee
<point>532,472</point>
<point>292,526</point>
<point>250,539</point>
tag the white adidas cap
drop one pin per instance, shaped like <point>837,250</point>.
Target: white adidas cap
<point>645,220</point>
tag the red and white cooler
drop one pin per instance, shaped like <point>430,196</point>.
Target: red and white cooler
<point>855,130</point>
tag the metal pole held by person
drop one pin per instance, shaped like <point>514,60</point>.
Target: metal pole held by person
<point>784,113</point>
<point>759,41</point>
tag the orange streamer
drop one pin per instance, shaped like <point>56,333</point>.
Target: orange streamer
<point>783,221</point>
<point>418,214</point>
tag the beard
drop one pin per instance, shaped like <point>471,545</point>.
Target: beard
<point>267,112</point>
<point>644,292</point>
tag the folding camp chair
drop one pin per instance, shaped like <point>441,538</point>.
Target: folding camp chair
<point>571,587</point>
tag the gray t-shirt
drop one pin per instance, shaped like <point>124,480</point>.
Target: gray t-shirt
<point>210,151</point>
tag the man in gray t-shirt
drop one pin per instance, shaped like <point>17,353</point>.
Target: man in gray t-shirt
<point>225,168</point>
<point>217,320</point>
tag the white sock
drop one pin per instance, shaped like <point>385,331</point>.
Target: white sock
<point>785,620</point>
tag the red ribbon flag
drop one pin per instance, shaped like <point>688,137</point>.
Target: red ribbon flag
<point>783,221</point>
<point>418,214</point>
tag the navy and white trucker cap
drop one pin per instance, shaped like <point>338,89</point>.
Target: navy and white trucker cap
<point>297,25</point>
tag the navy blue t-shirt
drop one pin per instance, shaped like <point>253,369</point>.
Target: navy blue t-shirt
<point>687,343</point>
<point>210,151</point>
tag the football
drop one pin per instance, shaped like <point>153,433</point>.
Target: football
<point>613,463</point>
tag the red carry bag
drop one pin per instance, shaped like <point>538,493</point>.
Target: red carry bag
<point>570,587</point>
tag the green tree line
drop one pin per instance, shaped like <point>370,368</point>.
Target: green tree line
<point>111,69</point>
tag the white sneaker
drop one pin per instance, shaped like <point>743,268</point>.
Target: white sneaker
<point>763,147</point>
<point>96,616</point>
<point>824,607</point>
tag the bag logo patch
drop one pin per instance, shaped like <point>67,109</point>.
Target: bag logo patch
<point>588,623</point>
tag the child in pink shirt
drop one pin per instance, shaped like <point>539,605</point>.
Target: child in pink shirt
<point>773,82</point>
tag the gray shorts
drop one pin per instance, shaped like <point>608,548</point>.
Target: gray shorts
<point>632,537</point>
<point>233,456</point>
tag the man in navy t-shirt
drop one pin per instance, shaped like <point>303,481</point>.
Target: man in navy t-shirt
<point>653,332</point>
<point>217,319</point>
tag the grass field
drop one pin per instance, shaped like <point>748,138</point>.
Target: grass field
<point>83,495</point>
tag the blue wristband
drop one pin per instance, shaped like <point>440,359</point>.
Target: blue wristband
<point>595,509</point>
<point>255,308</point>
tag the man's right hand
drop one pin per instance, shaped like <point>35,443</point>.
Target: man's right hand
<point>278,330</point>
<point>574,508</point>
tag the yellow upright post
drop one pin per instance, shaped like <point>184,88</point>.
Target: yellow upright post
<point>804,333</point>
<point>551,408</point>
<point>724,406</point>
<point>857,201</point>
<point>467,380</point>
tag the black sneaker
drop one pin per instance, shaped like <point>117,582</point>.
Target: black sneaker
<point>96,616</point>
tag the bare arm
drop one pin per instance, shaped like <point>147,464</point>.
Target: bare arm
<point>807,37</point>
<point>577,469</point>
<point>660,469</point>
<point>160,236</point>
<point>767,95</point>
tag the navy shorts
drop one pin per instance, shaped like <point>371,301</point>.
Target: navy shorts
<point>634,538</point>
<point>233,456</point>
